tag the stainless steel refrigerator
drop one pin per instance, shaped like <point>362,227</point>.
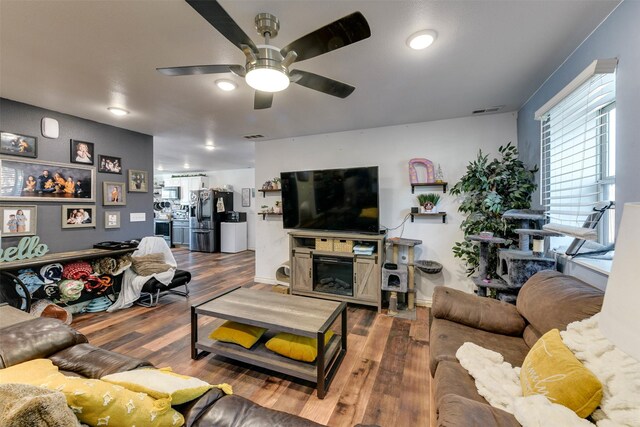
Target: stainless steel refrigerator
<point>208,209</point>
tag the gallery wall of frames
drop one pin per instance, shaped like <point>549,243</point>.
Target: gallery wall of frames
<point>74,190</point>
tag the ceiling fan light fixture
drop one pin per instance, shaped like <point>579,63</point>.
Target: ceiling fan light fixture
<point>422,39</point>
<point>226,85</point>
<point>267,79</point>
<point>118,111</point>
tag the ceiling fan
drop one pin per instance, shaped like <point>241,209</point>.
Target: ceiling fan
<point>267,67</point>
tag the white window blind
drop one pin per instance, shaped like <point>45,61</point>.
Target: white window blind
<point>575,149</point>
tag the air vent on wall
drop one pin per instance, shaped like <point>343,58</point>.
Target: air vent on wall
<point>488,110</point>
<point>256,136</point>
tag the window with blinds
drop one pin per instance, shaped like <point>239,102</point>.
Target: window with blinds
<point>578,153</point>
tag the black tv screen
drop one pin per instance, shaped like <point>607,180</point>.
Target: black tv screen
<point>331,199</point>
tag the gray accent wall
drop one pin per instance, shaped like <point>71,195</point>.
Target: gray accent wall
<point>618,36</point>
<point>135,149</point>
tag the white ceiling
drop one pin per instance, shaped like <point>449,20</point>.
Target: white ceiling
<point>79,57</point>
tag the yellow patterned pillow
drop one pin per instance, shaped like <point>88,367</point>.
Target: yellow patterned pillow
<point>552,370</point>
<point>295,346</point>
<point>98,403</point>
<point>160,383</point>
<point>238,333</point>
<point>95,402</point>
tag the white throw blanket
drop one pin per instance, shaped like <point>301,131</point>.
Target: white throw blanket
<point>499,383</point>
<point>132,283</point>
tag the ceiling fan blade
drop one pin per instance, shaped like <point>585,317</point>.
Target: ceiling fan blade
<point>238,70</point>
<point>262,100</point>
<point>321,84</point>
<point>340,33</point>
<point>198,69</point>
<point>221,21</point>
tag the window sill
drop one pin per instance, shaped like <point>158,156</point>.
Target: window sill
<point>602,266</point>
<point>593,271</point>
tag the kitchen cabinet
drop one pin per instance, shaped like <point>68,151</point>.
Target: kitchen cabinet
<point>187,184</point>
<point>180,232</point>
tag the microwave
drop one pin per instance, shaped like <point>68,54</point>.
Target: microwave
<point>171,193</point>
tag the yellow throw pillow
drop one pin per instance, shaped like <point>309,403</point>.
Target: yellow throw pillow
<point>93,401</point>
<point>30,372</point>
<point>295,346</point>
<point>238,333</point>
<point>160,383</point>
<point>552,370</point>
<point>98,403</point>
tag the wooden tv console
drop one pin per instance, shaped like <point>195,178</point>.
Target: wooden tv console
<point>305,255</point>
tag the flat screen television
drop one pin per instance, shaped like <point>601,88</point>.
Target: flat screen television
<point>331,199</point>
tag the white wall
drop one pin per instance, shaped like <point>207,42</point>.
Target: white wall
<point>238,179</point>
<point>451,143</point>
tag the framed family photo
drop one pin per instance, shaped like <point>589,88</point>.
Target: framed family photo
<point>112,219</point>
<point>74,216</point>
<point>18,220</point>
<point>39,181</point>
<point>109,164</point>
<point>138,181</point>
<point>113,194</point>
<point>15,144</point>
<point>82,152</point>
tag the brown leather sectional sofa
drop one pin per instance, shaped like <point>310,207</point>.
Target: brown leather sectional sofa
<point>548,300</point>
<point>70,351</point>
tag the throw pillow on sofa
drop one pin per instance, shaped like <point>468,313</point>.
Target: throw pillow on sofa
<point>95,402</point>
<point>552,370</point>
<point>161,383</point>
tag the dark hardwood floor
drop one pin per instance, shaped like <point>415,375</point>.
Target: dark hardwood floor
<point>384,378</point>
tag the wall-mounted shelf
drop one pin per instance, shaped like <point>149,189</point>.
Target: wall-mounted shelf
<point>264,191</point>
<point>429,184</point>
<point>265,214</point>
<point>442,214</point>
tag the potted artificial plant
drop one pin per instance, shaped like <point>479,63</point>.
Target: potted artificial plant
<point>488,189</point>
<point>276,183</point>
<point>428,202</point>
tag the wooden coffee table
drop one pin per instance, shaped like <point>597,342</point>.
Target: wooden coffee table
<point>309,317</point>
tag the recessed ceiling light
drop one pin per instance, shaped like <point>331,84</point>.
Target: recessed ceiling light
<point>118,111</point>
<point>422,39</point>
<point>226,85</point>
<point>186,166</point>
<point>160,168</point>
<point>210,147</point>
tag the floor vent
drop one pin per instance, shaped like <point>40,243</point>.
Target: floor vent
<point>256,136</point>
<point>488,110</point>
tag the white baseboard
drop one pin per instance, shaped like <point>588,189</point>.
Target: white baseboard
<point>424,302</point>
<point>267,280</point>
